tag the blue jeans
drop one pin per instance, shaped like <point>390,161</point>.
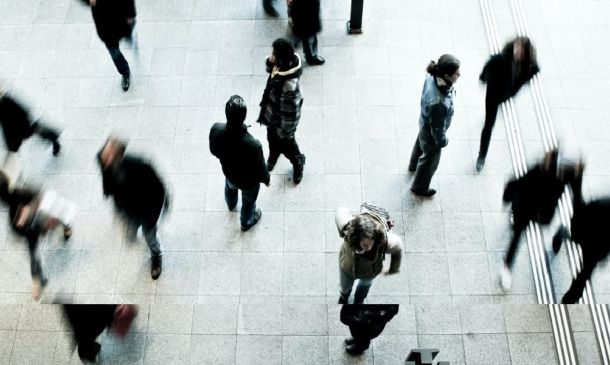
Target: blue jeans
<point>362,289</point>
<point>248,204</point>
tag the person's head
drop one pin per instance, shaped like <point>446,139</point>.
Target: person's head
<point>235,111</point>
<point>520,49</point>
<point>113,151</point>
<point>283,52</point>
<point>447,68</point>
<point>362,233</point>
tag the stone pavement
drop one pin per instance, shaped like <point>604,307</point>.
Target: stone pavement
<point>358,124</point>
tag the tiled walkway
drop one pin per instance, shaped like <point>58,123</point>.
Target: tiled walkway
<point>358,124</point>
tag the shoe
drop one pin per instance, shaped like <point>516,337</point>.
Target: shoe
<point>349,341</point>
<point>316,60</point>
<point>558,239</point>
<point>67,233</point>
<point>356,349</point>
<point>257,215</point>
<point>569,298</point>
<point>271,164</point>
<point>270,10</point>
<point>231,208</point>
<point>125,82</point>
<point>427,193</point>
<point>506,278</point>
<point>412,169</point>
<point>297,170</point>
<point>156,268</point>
<point>56,148</point>
<point>88,355</point>
<point>480,163</point>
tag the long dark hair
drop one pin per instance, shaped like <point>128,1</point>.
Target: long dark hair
<point>284,52</point>
<point>447,65</point>
<point>529,52</point>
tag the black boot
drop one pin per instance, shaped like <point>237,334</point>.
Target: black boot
<point>125,82</point>
<point>297,170</point>
<point>480,162</point>
<point>156,268</point>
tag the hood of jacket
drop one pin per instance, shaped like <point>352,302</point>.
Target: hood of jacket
<point>295,69</point>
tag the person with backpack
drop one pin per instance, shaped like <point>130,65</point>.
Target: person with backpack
<point>365,323</point>
<point>242,160</point>
<point>366,240</point>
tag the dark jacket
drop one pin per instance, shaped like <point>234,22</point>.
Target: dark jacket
<point>136,188</point>
<point>305,16</point>
<point>110,17</point>
<point>368,320</point>
<point>89,321</point>
<point>502,80</point>
<point>16,123</point>
<point>436,111</point>
<point>282,101</point>
<point>240,155</point>
<point>15,200</point>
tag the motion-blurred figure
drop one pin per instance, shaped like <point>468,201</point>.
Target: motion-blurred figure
<point>588,229</point>
<point>269,8</point>
<point>32,214</point>
<point>306,24</point>
<point>366,240</point>
<point>281,107</point>
<point>434,120</point>
<point>114,20</point>
<point>366,322</point>
<point>89,321</point>
<point>138,192</point>
<point>534,198</point>
<point>505,73</point>
<point>242,160</point>
<point>18,126</point>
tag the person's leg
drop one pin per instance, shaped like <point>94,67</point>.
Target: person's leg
<point>506,278</point>
<point>269,9</point>
<point>360,340</point>
<point>346,283</point>
<point>48,133</point>
<point>426,167</point>
<point>275,147</point>
<point>578,285</point>
<point>307,48</point>
<point>39,281</point>
<point>231,195</point>
<point>310,48</point>
<point>119,60</point>
<point>152,239</point>
<point>491,111</point>
<point>293,153</point>
<point>362,290</point>
<point>415,155</point>
<point>249,215</point>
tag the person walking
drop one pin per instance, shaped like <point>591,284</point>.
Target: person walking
<point>504,73</point>
<point>365,323</point>
<point>115,20</point>
<point>138,192</point>
<point>305,21</point>
<point>17,125</point>
<point>281,107</point>
<point>242,160</point>
<point>366,240</point>
<point>434,120</point>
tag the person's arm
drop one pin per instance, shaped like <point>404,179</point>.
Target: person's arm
<point>290,105</point>
<point>438,114</point>
<point>395,250</point>
<point>264,171</point>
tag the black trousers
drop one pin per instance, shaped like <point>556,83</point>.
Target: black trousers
<point>88,322</point>
<point>491,111</point>
<point>284,146</point>
<point>518,227</point>
<point>425,158</point>
<point>310,46</point>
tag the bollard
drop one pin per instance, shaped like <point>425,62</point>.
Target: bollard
<point>354,24</point>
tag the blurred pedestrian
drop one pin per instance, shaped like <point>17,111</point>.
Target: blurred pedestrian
<point>269,8</point>
<point>242,160</point>
<point>17,125</point>
<point>89,321</point>
<point>365,322</point>
<point>281,106</point>
<point>434,120</point>
<point>306,24</point>
<point>366,240</point>
<point>138,192</point>
<point>505,73</point>
<point>115,20</point>
<point>534,198</point>
<point>32,214</point>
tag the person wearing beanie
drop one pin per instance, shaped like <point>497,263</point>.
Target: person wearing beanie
<point>434,120</point>
<point>242,159</point>
<point>505,73</point>
<point>281,106</point>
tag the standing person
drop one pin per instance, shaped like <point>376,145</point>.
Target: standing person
<point>306,23</point>
<point>365,322</point>
<point>534,198</point>
<point>505,73</point>
<point>114,20</point>
<point>138,192</point>
<point>269,8</point>
<point>366,240</point>
<point>242,160</point>
<point>18,126</point>
<point>281,106</point>
<point>434,120</point>
<point>32,214</point>
<point>89,321</point>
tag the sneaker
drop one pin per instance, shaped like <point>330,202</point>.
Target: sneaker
<point>125,82</point>
<point>425,193</point>
<point>506,278</point>
<point>480,163</point>
<point>156,268</point>
<point>257,215</point>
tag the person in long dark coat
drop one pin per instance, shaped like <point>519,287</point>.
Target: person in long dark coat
<point>115,20</point>
<point>138,192</point>
<point>242,160</point>
<point>18,126</point>
<point>306,24</point>
<point>505,73</point>
<point>534,198</point>
<point>366,322</point>
<point>589,230</point>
